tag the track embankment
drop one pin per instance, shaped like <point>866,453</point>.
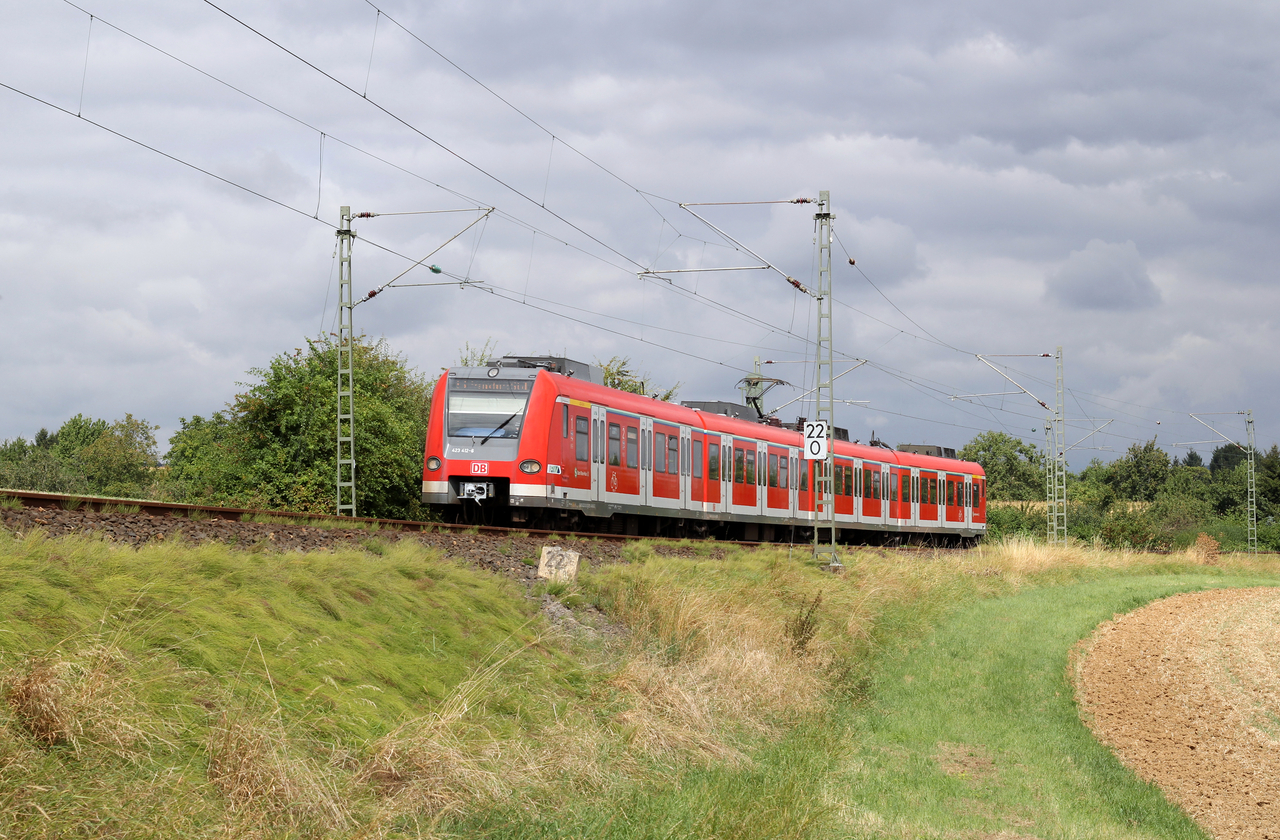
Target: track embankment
<point>1186,691</point>
<point>512,553</point>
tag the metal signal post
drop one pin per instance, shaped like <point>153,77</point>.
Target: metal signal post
<point>824,488</point>
<point>346,381</point>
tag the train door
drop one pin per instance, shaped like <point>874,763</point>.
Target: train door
<point>980,502</point>
<point>666,467</point>
<point>762,477</point>
<point>856,489</point>
<point>576,460</point>
<point>884,493</point>
<point>903,484</point>
<point>597,453</point>
<point>789,456</point>
<point>804,496</point>
<point>968,501</point>
<point>697,472</point>
<point>744,476</point>
<point>686,468</point>
<point>726,474</point>
<point>715,498</point>
<point>871,482</point>
<point>928,497</point>
<point>953,510</point>
<point>621,458</point>
<point>915,496</point>
<point>646,461</point>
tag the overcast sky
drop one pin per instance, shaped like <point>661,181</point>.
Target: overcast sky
<point>1010,178</point>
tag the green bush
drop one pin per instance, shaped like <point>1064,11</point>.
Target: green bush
<point>274,447</point>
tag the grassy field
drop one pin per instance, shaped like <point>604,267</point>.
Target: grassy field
<point>200,691</point>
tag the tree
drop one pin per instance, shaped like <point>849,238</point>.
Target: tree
<point>84,455</point>
<point>618,374</point>
<point>1014,468</point>
<point>1192,459</point>
<point>120,461</point>
<point>1141,473</point>
<point>469,356</point>
<point>274,446</point>
<point>1226,457</point>
<point>74,436</point>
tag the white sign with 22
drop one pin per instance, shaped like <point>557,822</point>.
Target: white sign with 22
<point>815,440</point>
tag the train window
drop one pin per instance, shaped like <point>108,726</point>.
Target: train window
<point>782,472</point>
<point>713,461</point>
<point>951,493</point>
<point>739,465</point>
<point>646,442</point>
<point>564,415</point>
<point>633,447</point>
<point>659,452</point>
<point>773,469</point>
<point>673,454</point>
<point>582,438</point>
<point>597,447</point>
<point>875,484</point>
<point>933,491</point>
<point>684,456</point>
<point>866,483</point>
<point>750,476</point>
<point>804,477</point>
<point>893,488</point>
<point>615,445</point>
<point>906,487</point>
<point>848,481</point>
<point>697,459</point>
<point>839,482</point>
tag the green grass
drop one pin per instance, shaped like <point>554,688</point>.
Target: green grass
<point>953,717</point>
<point>385,691</point>
<point>303,667</point>
<point>976,728</point>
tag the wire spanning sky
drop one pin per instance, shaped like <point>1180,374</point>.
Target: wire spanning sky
<point>1008,177</point>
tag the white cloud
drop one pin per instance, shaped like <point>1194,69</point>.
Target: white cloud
<point>1012,177</point>
<point>1105,276</point>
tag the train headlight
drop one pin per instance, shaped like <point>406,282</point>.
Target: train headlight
<point>433,463</point>
<point>530,466</point>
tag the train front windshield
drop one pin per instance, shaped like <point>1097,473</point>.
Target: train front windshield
<point>489,409</point>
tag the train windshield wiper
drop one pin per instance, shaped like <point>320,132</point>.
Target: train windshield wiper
<point>500,428</point>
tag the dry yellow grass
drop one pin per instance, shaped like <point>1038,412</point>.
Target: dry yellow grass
<point>82,698</point>
<point>265,776</point>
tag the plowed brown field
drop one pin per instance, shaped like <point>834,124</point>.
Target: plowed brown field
<point>1186,691</point>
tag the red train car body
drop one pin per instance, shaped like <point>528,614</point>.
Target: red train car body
<point>520,445</point>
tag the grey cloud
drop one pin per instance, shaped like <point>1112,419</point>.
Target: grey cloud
<point>1103,276</point>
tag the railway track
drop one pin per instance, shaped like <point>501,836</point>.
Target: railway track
<point>137,522</point>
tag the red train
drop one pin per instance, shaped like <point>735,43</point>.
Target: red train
<point>515,443</point>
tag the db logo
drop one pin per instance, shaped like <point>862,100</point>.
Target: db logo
<point>613,482</point>
<point>479,468</point>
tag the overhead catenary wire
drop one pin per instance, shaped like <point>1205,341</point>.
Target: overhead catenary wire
<point>498,213</point>
<point>430,139</point>
<point>701,299</point>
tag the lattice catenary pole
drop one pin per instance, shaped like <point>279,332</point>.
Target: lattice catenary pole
<point>824,489</point>
<point>346,480</point>
<point>1056,476</point>
<point>1253,487</point>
